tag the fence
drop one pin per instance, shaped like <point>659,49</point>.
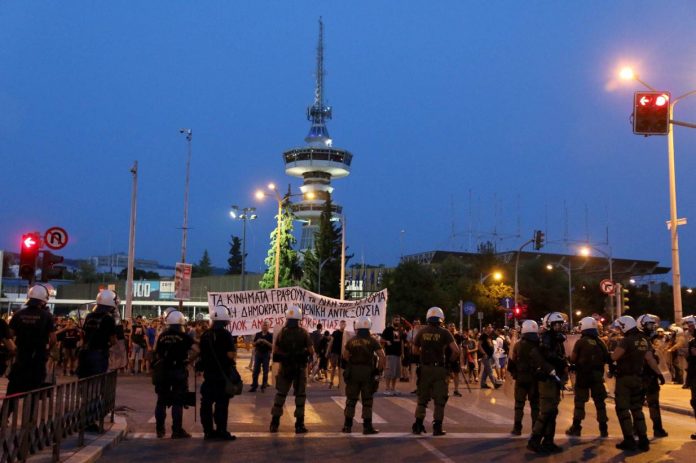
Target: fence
<point>34,420</point>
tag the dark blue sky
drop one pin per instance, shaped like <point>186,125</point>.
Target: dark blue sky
<point>515,102</point>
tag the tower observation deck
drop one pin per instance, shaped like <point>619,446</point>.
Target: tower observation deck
<point>317,162</point>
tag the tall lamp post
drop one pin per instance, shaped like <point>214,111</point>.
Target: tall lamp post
<point>247,213</point>
<point>674,221</point>
<point>343,257</point>
<point>587,252</point>
<point>260,194</point>
<point>569,272</point>
<point>184,228</point>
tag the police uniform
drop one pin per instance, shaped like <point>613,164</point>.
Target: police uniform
<point>292,348</point>
<point>549,358</point>
<point>526,384</point>
<point>629,394</point>
<point>32,327</point>
<point>171,355</point>
<point>360,379</point>
<point>590,354</point>
<point>432,341</point>
<point>651,386</point>
<point>215,343</point>
<point>691,375</point>
<point>98,328</point>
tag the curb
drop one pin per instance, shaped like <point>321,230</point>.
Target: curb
<point>93,451</point>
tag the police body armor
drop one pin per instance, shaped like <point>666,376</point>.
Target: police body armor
<point>524,372</point>
<point>292,350</point>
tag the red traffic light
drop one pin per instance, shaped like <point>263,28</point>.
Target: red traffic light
<point>651,113</point>
<point>28,241</point>
<point>28,253</point>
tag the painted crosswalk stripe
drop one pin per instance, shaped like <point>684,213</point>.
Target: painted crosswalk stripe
<point>474,410</point>
<point>310,413</point>
<point>341,401</point>
<point>410,405</point>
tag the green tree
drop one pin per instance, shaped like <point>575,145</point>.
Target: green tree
<point>204,267</point>
<point>327,251</point>
<point>290,270</point>
<point>87,273</point>
<point>139,274</point>
<point>234,262</point>
<point>413,289</point>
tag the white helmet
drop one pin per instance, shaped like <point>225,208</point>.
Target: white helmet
<point>293,313</point>
<point>588,323</point>
<point>626,323</point>
<point>550,318</point>
<point>175,318</point>
<point>689,320</point>
<point>435,312</point>
<point>108,298</point>
<point>220,314</point>
<point>644,320</point>
<point>39,292</point>
<point>166,313</point>
<point>530,326</point>
<point>363,323</point>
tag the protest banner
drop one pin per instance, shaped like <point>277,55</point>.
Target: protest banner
<point>249,309</point>
<point>182,281</point>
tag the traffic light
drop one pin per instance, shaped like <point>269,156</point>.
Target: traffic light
<point>651,113</point>
<point>517,312</point>
<point>29,251</point>
<point>624,300</point>
<point>538,239</point>
<point>48,260</point>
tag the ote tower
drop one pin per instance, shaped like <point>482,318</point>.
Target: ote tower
<point>317,162</point>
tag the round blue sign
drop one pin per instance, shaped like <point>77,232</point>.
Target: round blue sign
<point>469,308</point>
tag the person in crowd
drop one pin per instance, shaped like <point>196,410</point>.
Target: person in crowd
<point>7,347</point>
<point>315,336</point>
<point>413,358</point>
<point>324,343</point>
<point>676,351</point>
<point>455,366</point>
<point>524,374</point>
<point>501,347</point>
<point>431,343</point>
<point>551,363</point>
<point>263,344</point>
<point>590,356</point>
<point>69,337</point>
<point>392,340</point>
<point>140,346</point>
<point>631,355</point>
<point>406,357</point>
<point>218,352</point>
<point>334,353</point>
<point>471,355</point>
<point>486,351</point>
<point>171,375</point>
<point>292,348</point>
<point>652,380</point>
<point>365,361</point>
<point>690,323</point>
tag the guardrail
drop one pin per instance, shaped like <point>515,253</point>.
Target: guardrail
<point>34,420</point>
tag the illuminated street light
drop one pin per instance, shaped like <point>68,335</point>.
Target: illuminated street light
<point>549,267</point>
<point>247,213</point>
<point>586,251</point>
<point>497,276</point>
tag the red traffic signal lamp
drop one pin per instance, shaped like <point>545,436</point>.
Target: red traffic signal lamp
<point>29,251</point>
<point>651,113</point>
<point>48,260</point>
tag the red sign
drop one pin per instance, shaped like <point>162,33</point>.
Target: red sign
<point>56,238</point>
<point>607,286</point>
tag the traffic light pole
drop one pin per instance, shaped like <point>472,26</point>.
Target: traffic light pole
<point>676,272</point>
<point>131,245</point>
<point>517,266</point>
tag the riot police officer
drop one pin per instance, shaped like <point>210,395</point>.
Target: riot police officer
<point>690,323</point>
<point>526,385</point>
<point>630,355</point>
<point>98,334</point>
<point>34,330</point>
<point>589,356</point>
<point>430,344</point>
<point>366,360</point>
<point>292,348</point>
<point>171,375</point>
<point>551,365</point>
<point>652,379</point>
<point>218,354</point>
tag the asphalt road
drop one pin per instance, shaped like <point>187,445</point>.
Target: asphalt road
<point>478,426</point>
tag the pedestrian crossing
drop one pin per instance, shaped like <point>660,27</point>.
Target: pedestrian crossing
<point>341,402</point>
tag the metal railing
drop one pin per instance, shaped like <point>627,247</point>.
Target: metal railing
<point>34,420</point>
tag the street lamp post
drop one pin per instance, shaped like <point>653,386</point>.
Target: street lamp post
<point>497,276</point>
<point>569,271</point>
<point>321,266</point>
<point>674,222</point>
<point>247,214</point>
<point>585,251</point>
<point>189,135</point>
<point>343,257</point>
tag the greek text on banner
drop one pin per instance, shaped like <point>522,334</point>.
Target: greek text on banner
<point>249,309</point>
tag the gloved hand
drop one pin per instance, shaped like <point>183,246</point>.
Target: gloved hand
<point>661,379</point>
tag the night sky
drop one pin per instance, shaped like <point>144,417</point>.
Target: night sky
<point>492,117</point>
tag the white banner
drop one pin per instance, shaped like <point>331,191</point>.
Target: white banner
<point>249,309</point>
<point>182,281</point>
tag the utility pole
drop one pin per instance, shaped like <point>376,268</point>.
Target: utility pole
<point>131,244</point>
<point>189,135</point>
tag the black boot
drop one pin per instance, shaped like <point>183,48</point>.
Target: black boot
<point>299,426</point>
<point>550,447</point>
<point>534,444</point>
<point>658,430</point>
<point>516,429</point>
<point>347,425</point>
<point>603,430</point>
<point>275,424</point>
<point>160,432</point>
<point>628,444</point>
<point>575,429</point>
<point>437,429</point>
<point>418,427</point>
<point>368,429</point>
<point>643,443</point>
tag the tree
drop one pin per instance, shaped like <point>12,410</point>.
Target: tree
<point>87,273</point>
<point>234,262</point>
<point>204,268</point>
<point>327,251</point>
<point>290,270</point>
<point>139,274</point>
<point>412,290</point>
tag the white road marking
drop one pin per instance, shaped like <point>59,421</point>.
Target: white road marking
<point>410,405</point>
<point>473,409</point>
<point>311,414</point>
<point>429,447</point>
<point>341,401</point>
